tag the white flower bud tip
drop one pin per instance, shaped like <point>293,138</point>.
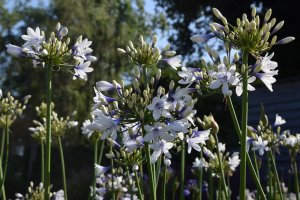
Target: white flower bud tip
<point>44,52</point>
<point>121,50</point>
<point>135,167</point>
<point>167,162</point>
<point>217,13</point>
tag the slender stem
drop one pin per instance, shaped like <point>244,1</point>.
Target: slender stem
<point>138,185</point>
<point>130,186</point>
<point>256,170</point>
<point>250,166</point>
<point>2,144</point>
<point>270,177</point>
<point>276,176</point>
<point>48,132</point>
<point>42,162</point>
<point>112,175</point>
<point>95,171</point>
<point>164,183</point>
<point>244,127</point>
<point>6,158</point>
<point>147,151</point>
<point>221,167</point>
<point>154,175</point>
<point>101,152</point>
<point>182,170</point>
<point>296,176</point>
<point>228,186</point>
<point>200,177</point>
<point>149,166</point>
<point>290,183</point>
<point>158,166</point>
<point>142,177</point>
<point>220,189</point>
<point>62,167</point>
<point>1,172</point>
<point>211,185</point>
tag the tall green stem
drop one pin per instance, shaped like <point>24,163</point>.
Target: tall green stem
<point>219,189</point>
<point>200,177</point>
<point>62,167</point>
<point>158,166</point>
<point>211,185</point>
<point>138,185</point>
<point>221,167</point>
<point>270,177</point>
<point>238,131</point>
<point>42,162</point>
<point>164,183</point>
<point>147,151</point>
<point>6,158</point>
<point>1,172</point>
<point>182,170</point>
<point>2,143</point>
<point>48,132</point>
<point>130,186</point>
<point>95,171</point>
<point>256,170</point>
<point>296,175</point>
<point>276,176</point>
<point>112,175</point>
<point>101,152</point>
<point>244,127</point>
<point>228,186</point>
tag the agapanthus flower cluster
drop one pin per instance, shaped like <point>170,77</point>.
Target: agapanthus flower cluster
<point>11,108</point>
<point>229,163</point>
<point>264,138</point>
<point>248,33</point>
<point>122,186</point>
<point>147,54</point>
<point>58,125</point>
<point>37,193</point>
<point>55,52</point>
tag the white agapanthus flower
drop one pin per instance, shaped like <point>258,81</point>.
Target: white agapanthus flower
<point>174,62</point>
<point>101,170</point>
<point>200,163</point>
<point>234,161</point>
<point>188,76</point>
<point>155,132</point>
<point>239,86</point>
<point>34,38</point>
<point>292,140</point>
<point>194,141</point>
<point>107,124</point>
<point>83,48</point>
<point>85,130</point>
<point>221,147</point>
<point>163,147</point>
<point>223,77</point>
<point>97,98</point>
<point>179,127</point>
<point>267,64</point>
<point>279,121</point>
<point>59,195</point>
<point>160,106</point>
<point>260,145</point>
<point>267,78</point>
<point>82,69</point>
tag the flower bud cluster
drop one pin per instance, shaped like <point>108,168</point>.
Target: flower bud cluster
<point>38,193</point>
<point>147,54</point>
<point>248,34</point>
<point>58,125</point>
<point>55,52</point>
<point>11,108</point>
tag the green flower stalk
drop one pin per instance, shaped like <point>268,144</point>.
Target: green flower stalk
<point>9,110</point>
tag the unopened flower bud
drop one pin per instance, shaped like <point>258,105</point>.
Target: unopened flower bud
<point>63,32</point>
<point>141,40</point>
<point>135,167</point>
<point>203,62</point>
<point>57,27</point>
<point>158,75</point>
<point>167,162</point>
<point>215,55</point>
<point>136,84</point>
<point>166,48</point>
<point>217,13</point>
<point>121,50</point>
<point>208,49</point>
<point>243,68</point>
<point>268,15</point>
<point>211,142</point>
<point>213,29</point>
<point>236,57</point>
<point>142,115</point>
<point>179,148</point>
<point>277,27</point>
<point>253,13</point>
<point>285,40</point>
<point>273,40</point>
<point>229,93</point>
<point>154,41</point>
<point>252,25</point>
<point>224,20</point>
<point>238,22</point>
<point>214,127</point>
<point>244,17</point>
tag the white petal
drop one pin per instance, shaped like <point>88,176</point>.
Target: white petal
<point>215,84</point>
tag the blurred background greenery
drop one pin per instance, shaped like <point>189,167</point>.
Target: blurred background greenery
<point>110,24</point>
